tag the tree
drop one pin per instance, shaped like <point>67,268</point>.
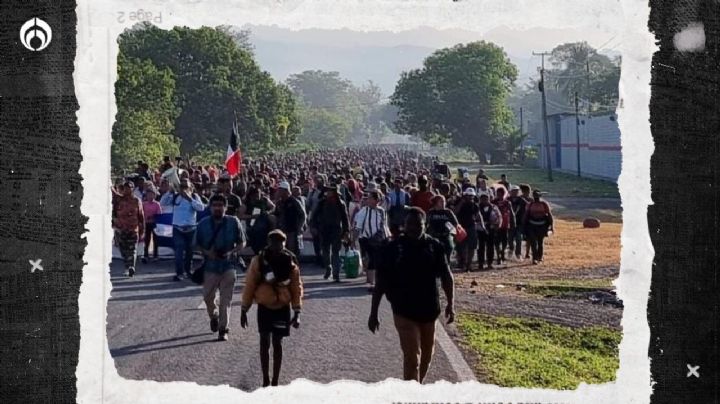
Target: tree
<point>324,128</point>
<point>145,98</point>
<point>577,67</point>
<point>458,96</point>
<point>216,76</point>
<point>358,107</point>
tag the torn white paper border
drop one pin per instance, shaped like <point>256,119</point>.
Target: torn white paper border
<point>95,74</point>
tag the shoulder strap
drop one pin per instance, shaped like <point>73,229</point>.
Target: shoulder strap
<point>365,219</point>
<point>216,232</point>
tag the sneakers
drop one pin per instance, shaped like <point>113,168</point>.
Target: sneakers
<point>336,280</point>
<point>131,272</point>
<point>214,323</point>
<point>223,335</point>
<point>176,278</point>
<point>327,273</point>
<point>144,260</point>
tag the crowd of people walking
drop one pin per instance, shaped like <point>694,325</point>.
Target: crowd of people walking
<point>406,212</point>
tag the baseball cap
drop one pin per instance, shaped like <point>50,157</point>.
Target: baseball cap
<point>470,191</point>
<point>284,185</point>
<point>514,188</point>
<point>277,234</point>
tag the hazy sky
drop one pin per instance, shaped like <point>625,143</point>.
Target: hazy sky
<point>516,42</point>
<point>381,56</point>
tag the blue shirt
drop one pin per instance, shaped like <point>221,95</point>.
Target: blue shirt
<point>394,201</point>
<point>229,236</point>
<point>184,211</point>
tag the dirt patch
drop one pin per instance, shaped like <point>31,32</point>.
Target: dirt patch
<point>575,258</point>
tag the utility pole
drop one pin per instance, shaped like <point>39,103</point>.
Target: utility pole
<point>522,147</point>
<point>544,112</point>
<point>577,131</point>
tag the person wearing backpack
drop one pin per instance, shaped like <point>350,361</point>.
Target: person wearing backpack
<point>370,224</point>
<point>184,206</point>
<point>273,282</point>
<point>219,236</point>
<point>538,221</point>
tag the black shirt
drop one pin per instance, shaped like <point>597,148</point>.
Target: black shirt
<point>292,215</point>
<point>408,270</point>
<point>233,204</point>
<point>437,220</point>
<point>518,205</point>
<point>466,214</point>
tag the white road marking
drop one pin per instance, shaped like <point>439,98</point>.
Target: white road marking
<point>460,366</point>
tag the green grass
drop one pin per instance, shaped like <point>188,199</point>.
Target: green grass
<point>516,352</point>
<point>564,185</point>
<point>562,287</point>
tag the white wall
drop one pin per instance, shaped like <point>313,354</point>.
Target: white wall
<point>600,154</point>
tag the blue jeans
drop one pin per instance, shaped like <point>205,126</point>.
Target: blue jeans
<point>183,250</point>
<point>515,239</point>
<point>331,254</point>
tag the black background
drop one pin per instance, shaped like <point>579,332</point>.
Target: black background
<point>683,306</point>
<point>40,196</point>
<point>39,208</point>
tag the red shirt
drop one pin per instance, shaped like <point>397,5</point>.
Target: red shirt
<point>128,213</point>
<point>422,199</point>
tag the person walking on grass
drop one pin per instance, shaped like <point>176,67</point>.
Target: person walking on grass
<point>273,282</point>
<point>219,236</point>
<point>407,276</point>
<point>370,224</point>
<point>184,206</point>
<point>129,224</point>
<point>538,221</point>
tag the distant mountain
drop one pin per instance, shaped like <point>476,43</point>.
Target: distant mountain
<point>382,65</point>
<point>381,56</point>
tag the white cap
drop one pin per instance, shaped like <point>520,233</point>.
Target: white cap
<point>483,193</point>
<point>469,191</point>
<point>514,188</point>
<point>284,185</point>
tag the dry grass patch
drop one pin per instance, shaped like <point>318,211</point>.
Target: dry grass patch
<point>574,247</point>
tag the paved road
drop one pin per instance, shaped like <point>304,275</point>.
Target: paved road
<point>158,330</point>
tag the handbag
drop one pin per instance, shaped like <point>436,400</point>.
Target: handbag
<point>377,238</point>
<point>460,234</point>
<point>198,275</point>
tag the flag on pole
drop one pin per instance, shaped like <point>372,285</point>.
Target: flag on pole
<point>234,156</point>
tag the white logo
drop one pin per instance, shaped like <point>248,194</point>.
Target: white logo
<point>35,34</point>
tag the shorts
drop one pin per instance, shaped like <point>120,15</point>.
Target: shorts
<point>370,254</point>
<point>275,321</point>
